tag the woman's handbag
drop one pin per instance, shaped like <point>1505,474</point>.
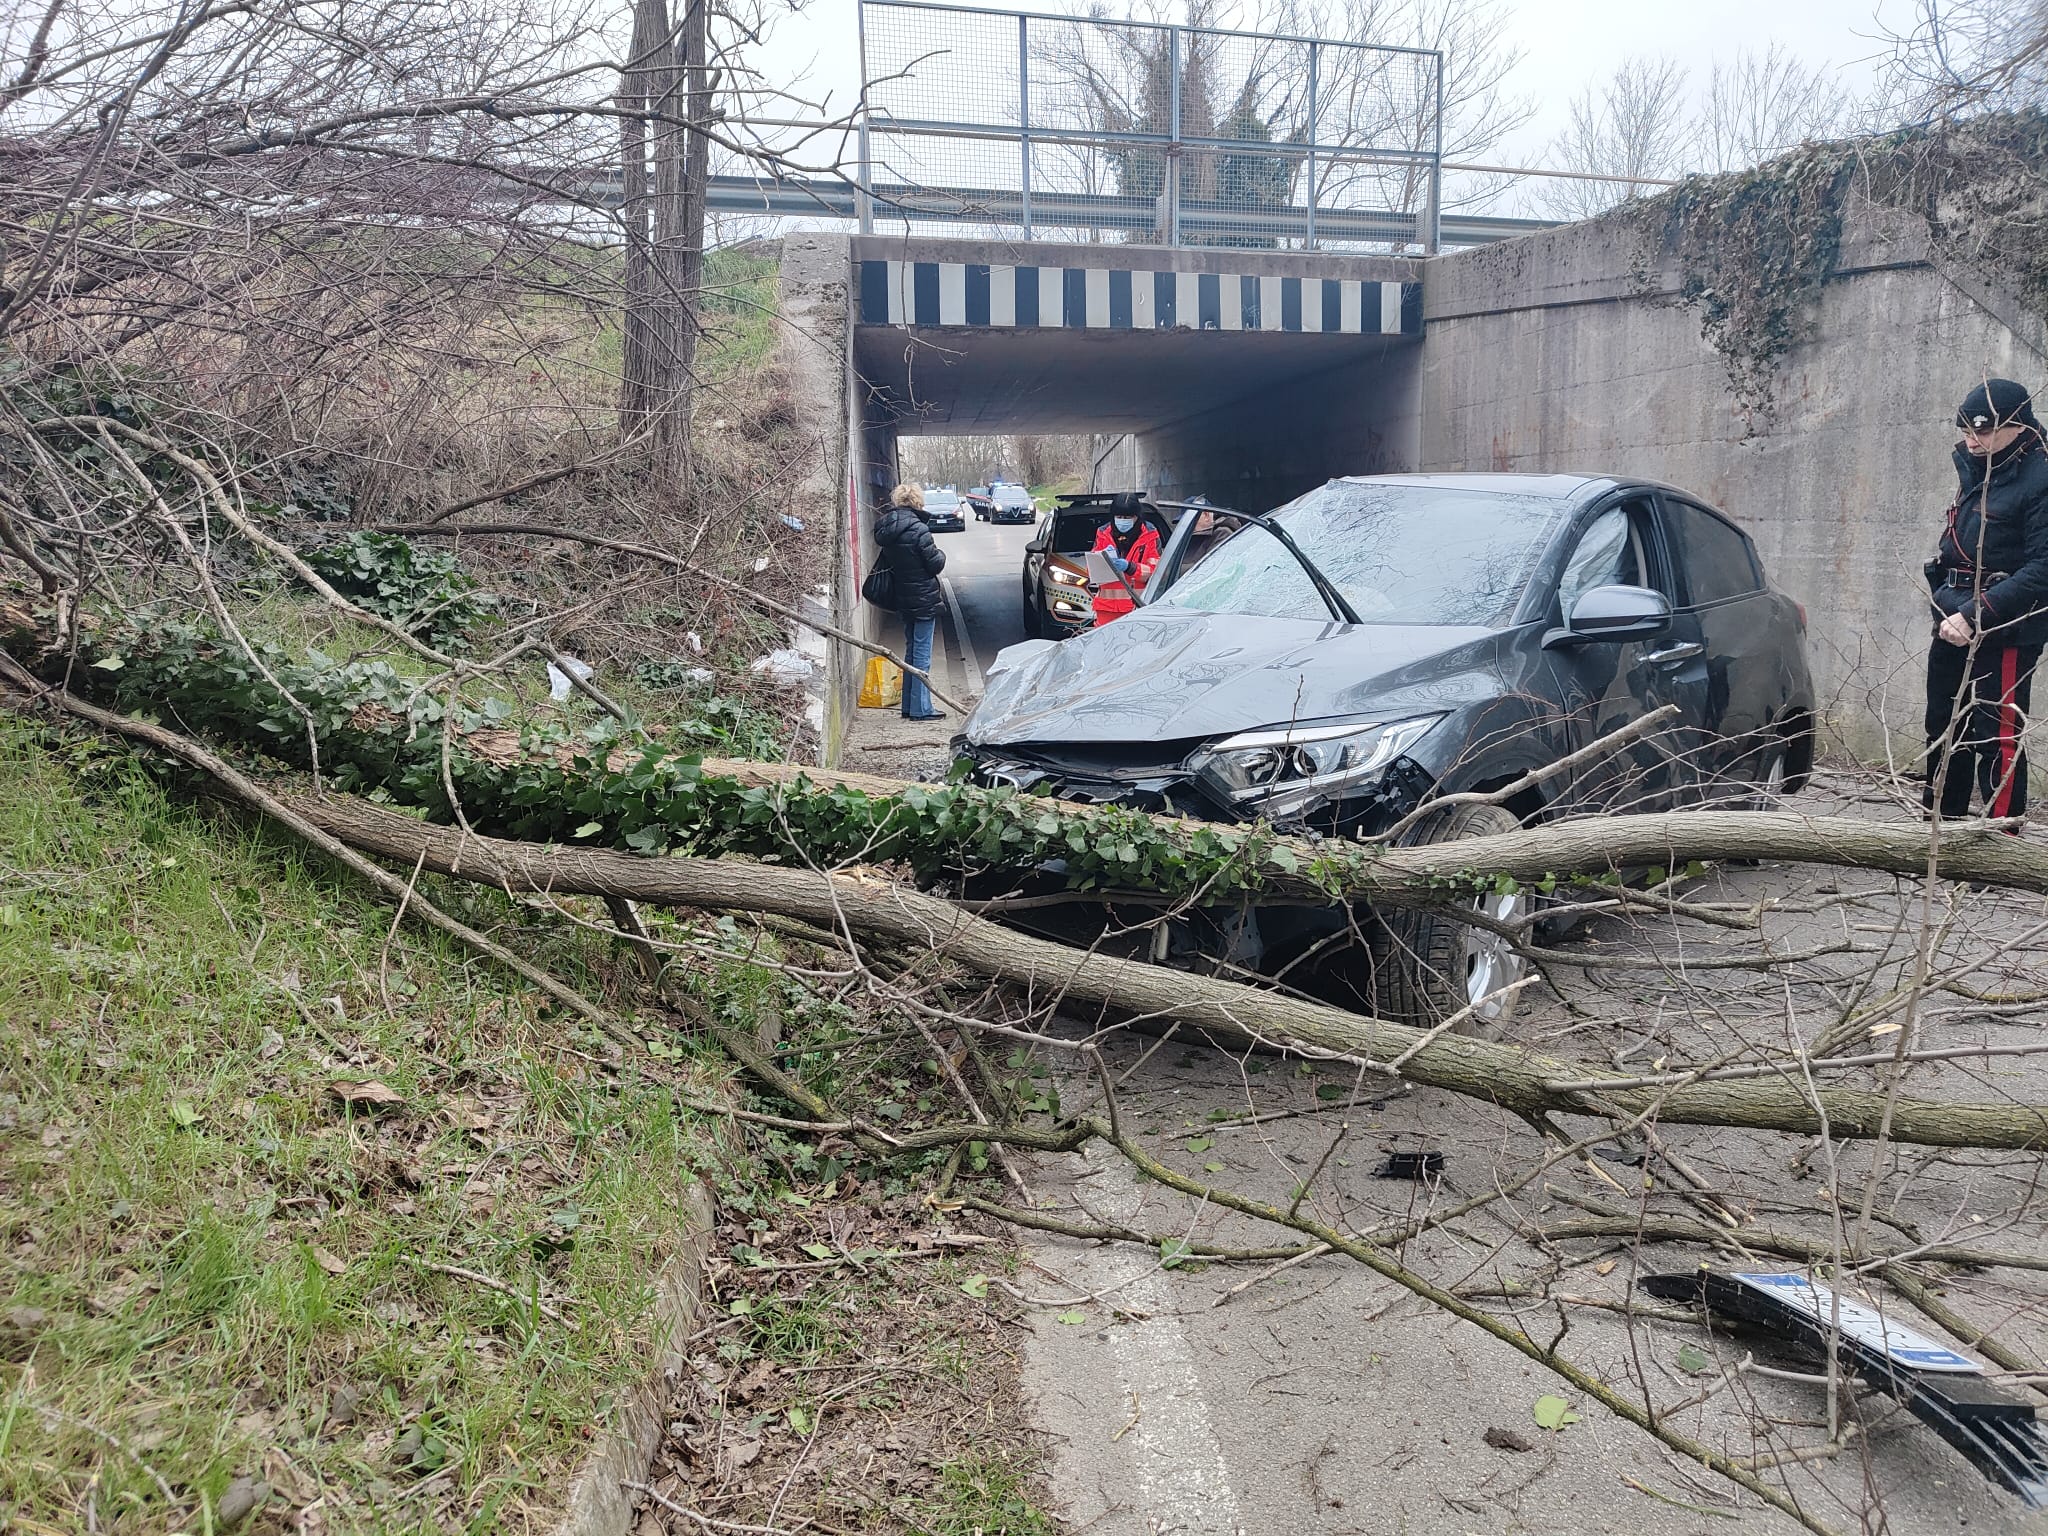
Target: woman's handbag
<point>880,587</point>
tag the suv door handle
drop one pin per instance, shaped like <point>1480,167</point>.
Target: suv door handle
<point>1685,650</point>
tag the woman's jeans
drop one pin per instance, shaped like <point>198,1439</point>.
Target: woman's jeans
<point>917,651</point>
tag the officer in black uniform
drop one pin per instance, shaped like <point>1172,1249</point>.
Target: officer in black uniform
<point>1989,586</point>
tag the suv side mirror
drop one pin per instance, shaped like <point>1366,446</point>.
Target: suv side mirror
<point>1612,613</point>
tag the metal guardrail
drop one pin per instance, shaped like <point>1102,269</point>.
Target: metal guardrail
<point>1082,212</point>
<point>1169,135</point>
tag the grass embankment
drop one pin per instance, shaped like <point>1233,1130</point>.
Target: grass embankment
<point>213,1265</point>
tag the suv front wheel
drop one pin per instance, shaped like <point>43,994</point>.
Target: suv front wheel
<point>1432,964</point>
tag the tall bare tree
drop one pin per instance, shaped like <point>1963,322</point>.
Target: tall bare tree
<point>1765,103</point>
<point>1962,56</point>
<point>1635,124</point>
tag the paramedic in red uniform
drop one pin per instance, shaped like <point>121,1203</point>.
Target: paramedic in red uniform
<point>1131,545</point>
<point>1989,583</point>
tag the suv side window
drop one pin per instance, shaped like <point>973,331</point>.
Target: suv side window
<point>1715,555</point>
<point>1609,553</point>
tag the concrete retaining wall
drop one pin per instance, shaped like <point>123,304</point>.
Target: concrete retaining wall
<point>813,338</point>
<point>1569,351</point>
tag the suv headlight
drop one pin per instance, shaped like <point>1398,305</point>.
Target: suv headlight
<point>1281,769</point>
<point>1065,577</point>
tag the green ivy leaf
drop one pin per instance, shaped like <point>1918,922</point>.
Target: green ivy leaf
<point>1201,1144</point>
<point>975,1286</point>
<point>1072,1319</point>
<point>588,829</point>
<point>1693,1361</point>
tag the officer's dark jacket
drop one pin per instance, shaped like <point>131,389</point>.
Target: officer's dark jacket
<point>914,559</point>
<point>1992,564</point>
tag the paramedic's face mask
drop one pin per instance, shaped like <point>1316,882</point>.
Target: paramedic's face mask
<point>1124,524</point>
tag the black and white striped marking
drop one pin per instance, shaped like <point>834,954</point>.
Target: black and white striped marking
<point>1098,299</point>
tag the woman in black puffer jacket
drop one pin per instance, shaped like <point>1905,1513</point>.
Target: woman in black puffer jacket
<point>1989,585</point>
<point>906,546</point>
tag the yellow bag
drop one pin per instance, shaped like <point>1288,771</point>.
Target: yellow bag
<point>881,686</point>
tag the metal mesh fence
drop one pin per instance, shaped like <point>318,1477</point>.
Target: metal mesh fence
<point>1079,128</point>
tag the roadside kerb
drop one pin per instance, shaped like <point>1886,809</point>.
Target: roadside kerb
<point>599,1503</point>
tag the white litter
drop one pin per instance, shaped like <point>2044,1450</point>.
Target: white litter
<point>785,667</point>
<point>559,686</point>
<point>760,565</point>
<point>695,642</point>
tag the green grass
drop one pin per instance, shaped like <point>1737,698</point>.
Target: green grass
<point>985,1496</point>
<point>741,293</point>
<point>204,1251</point>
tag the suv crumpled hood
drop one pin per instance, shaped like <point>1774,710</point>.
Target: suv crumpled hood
<point>1180,676</point>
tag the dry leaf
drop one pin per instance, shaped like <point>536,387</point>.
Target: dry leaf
<point>372,1093</point>
<point>1606,1267</point>
<point>328,1261</point>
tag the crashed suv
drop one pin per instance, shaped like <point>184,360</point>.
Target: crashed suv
<point>1333,665</point>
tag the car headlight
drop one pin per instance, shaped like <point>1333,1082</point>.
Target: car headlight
<point>1286,768</point>
<point>1065,577</point>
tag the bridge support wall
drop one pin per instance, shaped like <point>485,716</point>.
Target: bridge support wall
<point>1570,350</point>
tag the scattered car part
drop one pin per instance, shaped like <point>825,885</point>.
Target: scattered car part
<point>1945,1390</point>
<point>1411,1165</point>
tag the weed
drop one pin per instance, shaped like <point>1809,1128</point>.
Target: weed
<point>984,1496</point>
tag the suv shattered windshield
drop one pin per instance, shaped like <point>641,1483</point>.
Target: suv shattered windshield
<point>1399,554</point>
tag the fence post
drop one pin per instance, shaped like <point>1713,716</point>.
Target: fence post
<point>1308,242</point>
<point>1433,230</point>
<point>1024,117</point>
<point>864,181</point>
<point>1173,67</point>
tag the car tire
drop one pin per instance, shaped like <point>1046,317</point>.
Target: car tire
<point>1773,770</point>
<point>1430,965</point>
<point>1034,621</point>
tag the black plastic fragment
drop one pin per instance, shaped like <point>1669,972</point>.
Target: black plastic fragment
<point>1946,1391</point>
<point>1412,1165</point>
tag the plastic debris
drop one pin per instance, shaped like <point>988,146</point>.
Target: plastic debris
<point>1945,1390</point>
<point>559,686</point>
<point>694,641</point>
<point>786,667</point>
<point>796,523</point>
<point>1412,1165</point>
<point>760,565</point>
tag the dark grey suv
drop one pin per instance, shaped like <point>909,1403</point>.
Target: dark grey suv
<point>1378,642</point>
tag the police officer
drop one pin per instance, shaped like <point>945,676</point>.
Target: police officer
<point>1989,585</point>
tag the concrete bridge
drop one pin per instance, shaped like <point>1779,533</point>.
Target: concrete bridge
<point>1251,376</point>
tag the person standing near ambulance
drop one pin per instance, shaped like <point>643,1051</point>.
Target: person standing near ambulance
<point>1988,584</point>
<point>1131,545</point>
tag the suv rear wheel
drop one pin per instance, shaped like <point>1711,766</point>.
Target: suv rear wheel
<point>1432,965</point>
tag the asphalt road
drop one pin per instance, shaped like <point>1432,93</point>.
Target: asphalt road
<point>1326,1398</point>
<point>984,570</point>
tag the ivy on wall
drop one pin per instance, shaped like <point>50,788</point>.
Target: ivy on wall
<point>1755,248</point>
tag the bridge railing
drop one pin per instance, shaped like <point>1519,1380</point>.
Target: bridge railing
<point>1072,127</point>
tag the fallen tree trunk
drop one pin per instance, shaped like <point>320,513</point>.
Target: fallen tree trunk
<point>1528,1082</point>
<point>1294,868</point>
<point>566,787</point>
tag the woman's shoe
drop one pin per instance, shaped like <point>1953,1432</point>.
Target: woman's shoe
<point>937,714</point>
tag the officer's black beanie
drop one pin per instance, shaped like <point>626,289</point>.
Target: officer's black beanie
<point>1997,403</point>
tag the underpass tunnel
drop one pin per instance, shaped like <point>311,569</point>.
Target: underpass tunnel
<point>1247,377</point>
<point>1249,419</point>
